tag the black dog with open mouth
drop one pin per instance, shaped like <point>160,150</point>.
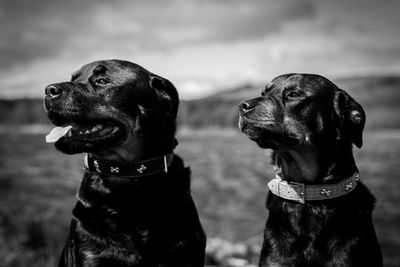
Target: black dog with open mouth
<point>320,214</point>
<point>134,205</point>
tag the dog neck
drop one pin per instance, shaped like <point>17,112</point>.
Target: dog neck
<point>98,188</point>
<point>135,151</point>
<point>130,154</point>
<point>313,166</point>
<point>297,166</point>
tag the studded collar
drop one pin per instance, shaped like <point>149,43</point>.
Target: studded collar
<point>301,192</point>
<point>131,170</point>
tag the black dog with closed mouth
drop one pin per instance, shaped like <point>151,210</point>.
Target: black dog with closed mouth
<point>134,205</point>
<point>319,212</point>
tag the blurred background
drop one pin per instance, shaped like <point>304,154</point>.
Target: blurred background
<point>217,53</point>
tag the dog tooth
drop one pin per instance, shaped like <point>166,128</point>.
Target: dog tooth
<point>87,132</point>
<point>107,130</point>
<point>80,132</point>
<point>99,126</point>
<point>94,129</point>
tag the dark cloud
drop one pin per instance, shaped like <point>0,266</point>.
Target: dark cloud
<point>227,20</point>
<point>42,28</point>
<point>37,29</point>
<point>198,43</point>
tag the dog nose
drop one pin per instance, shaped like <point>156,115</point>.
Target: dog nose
<point>246,106</point>
<point>53,91</point>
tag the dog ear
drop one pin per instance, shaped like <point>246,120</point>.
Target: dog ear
<point>167,92</point>
<point>169,98</point>
<point>350,118</point>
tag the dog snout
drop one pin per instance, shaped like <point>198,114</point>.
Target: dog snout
<point>246,106</point>
<point>53,91</point>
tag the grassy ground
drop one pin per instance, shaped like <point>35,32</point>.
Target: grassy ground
<point>38,184</point>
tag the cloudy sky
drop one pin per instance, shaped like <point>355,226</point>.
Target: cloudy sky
<point>200,45</point>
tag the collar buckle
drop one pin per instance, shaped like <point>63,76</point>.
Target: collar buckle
<point>165,164</point>
<point>288,189</point>
<point>301,191</point>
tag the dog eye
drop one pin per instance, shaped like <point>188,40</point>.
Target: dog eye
<point>101,81</point>
<point>294,94</point>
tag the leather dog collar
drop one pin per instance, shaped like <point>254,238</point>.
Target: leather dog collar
<point>301,192</point>
<point>131,170</point>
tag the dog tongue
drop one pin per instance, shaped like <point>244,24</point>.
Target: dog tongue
<point>57,133</point>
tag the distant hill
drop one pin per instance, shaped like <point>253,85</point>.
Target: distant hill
<point>380,96</point>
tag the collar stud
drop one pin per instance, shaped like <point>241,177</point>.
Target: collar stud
<point>141,169</point>
<point>348,186</point>
<point>325,192</point>
<point>114,169</point>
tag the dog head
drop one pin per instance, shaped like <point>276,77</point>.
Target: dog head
<point>114,105</point>
<point>297,110</point>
